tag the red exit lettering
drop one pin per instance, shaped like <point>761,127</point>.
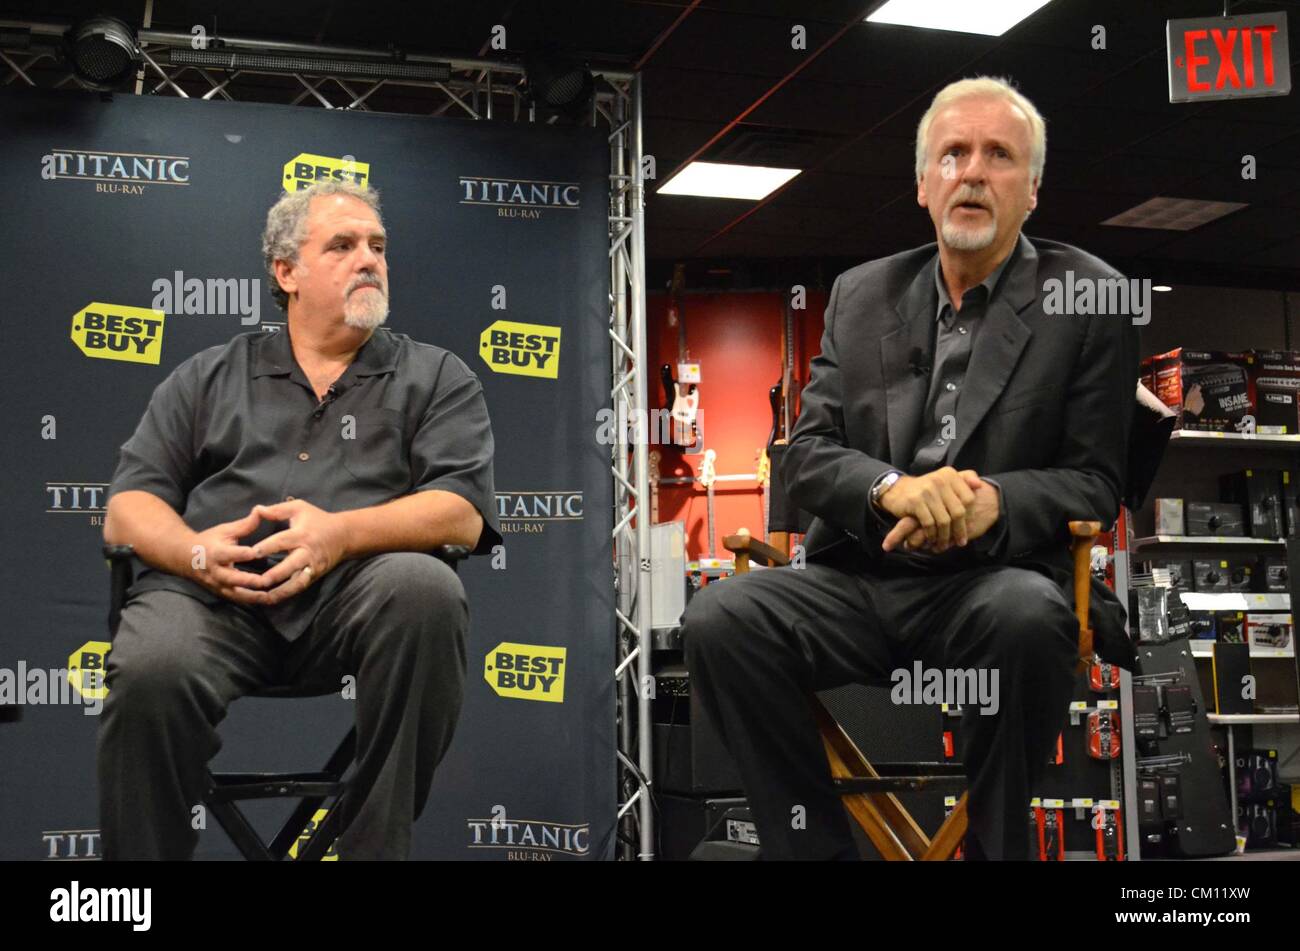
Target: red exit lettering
<point>1225,45</point>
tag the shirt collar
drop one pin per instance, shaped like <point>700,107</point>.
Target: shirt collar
<point>989,284</point>
<point>274,355</point>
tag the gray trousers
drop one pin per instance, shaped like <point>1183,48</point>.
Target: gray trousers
<point>759,644</point>
<point>398,624</point>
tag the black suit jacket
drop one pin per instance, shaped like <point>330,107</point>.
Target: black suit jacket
<point>1046,411</point>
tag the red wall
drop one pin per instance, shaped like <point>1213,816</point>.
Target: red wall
<point>736,339</point>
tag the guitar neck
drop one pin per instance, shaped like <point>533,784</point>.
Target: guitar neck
<point>709,492</point>
<point>767,509</point>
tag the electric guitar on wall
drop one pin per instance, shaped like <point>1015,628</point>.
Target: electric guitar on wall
<point>781,398</point>
<point>707,476</point>
<point>684,403</point>
<point>683,397</point>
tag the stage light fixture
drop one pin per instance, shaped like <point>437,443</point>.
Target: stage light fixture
<point>102,50</point>
<point>559,84</point>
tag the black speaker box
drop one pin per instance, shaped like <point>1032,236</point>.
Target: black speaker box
<point>1291,501</point>
<point>1214,518</point>
<point>1257,821</point>
<point>1231,664</point>
<point>688,753</point>
<point>685,822</point>
<point>1257,779</point>
<point>1259,493</point>
<point>1271,575</point>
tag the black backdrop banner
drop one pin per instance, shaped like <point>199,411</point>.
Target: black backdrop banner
<point>132,233</point>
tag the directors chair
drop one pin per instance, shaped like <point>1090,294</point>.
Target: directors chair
<point>223,790</point>
<point>868,791</point>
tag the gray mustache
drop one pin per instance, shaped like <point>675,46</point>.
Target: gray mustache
<point>969,197</point>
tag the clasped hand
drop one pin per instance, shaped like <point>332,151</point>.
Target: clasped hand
<point>314,541</point>
<point>938,510</point>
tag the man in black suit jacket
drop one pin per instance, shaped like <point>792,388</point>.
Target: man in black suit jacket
<point>950,430</point>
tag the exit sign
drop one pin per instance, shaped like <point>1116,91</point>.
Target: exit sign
<point>1228,57</point>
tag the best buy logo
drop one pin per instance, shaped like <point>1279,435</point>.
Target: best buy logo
<point>86,669</point>
<point>304,170</point>
<point>331,854</point>
<point>524,349</point>
<point>526,671</point>
<point>114,332</point>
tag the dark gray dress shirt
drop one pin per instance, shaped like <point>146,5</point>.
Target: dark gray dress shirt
<point>238,424</point>
<point>954,339</point>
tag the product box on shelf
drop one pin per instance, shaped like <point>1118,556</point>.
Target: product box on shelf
<point>1291,502</point>
<point>1210,389</point>
<point>1214,518</point>
<point>1271,576</point>
<point>1275,376</point>
<point>1169,517</point>
<point>1230,627</point>
<point>1211,574</point>
<point>1259,493</point>
<point>1268,630</point>
<point>1180,572</point>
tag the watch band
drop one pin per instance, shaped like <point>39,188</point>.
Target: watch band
<point>883,484</point>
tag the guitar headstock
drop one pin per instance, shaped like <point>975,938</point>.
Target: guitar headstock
<point>707,471</point>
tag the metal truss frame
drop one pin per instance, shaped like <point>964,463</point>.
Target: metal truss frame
<point>480,89</point>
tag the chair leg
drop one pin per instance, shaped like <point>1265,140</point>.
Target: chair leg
<point>949,836</point>
<point>246,839</point>
<point>890,827</point>
<point>291,831</point>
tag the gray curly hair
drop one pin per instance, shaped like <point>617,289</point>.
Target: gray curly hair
<point>286,225</point>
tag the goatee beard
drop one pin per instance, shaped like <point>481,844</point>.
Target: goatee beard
<point>367,312</point>
<point>964,239</point>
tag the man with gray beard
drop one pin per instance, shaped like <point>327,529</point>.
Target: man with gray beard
<point>949,432</point>
<point>282,492</point>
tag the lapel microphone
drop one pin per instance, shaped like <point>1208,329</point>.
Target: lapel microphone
<point>918,362</point>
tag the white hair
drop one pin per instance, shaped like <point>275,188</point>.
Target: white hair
<point>286,225</point>
<point>986,86</point>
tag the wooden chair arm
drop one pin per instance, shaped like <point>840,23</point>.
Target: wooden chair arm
<point>746,547</point>
<point>1082,535</point>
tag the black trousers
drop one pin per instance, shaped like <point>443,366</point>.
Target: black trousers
<point>398,624</point>
<point>759,644</point>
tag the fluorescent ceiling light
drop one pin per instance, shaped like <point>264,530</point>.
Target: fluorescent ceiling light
<point>989,17</point>
<point>718,180</point>
<point>1173,214</point>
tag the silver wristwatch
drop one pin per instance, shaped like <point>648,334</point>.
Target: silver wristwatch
<point>879,489</point>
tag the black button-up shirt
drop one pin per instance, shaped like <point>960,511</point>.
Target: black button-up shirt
<point>954,340</point>
<point>954,335</point>
<point>239,425</point>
